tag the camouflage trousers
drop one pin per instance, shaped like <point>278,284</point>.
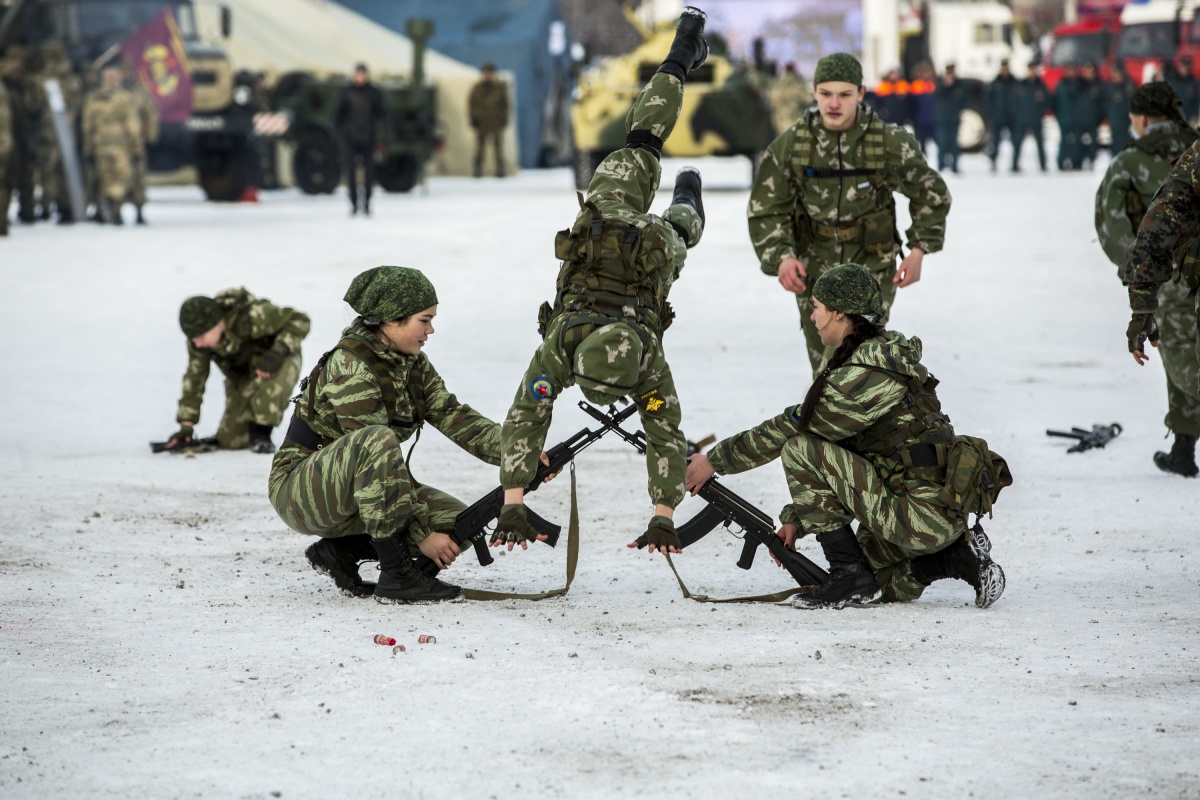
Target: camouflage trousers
<point>360,484</point>
<point>493,138</point>
<point>114,173</point>
<point>832,487</point>
<point>1179,348</point>
<point>137,178</point>
<point>50,172</point>
<point>816,262</point>
<point>248,399</point>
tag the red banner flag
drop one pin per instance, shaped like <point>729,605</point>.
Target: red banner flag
<point>157,54</point>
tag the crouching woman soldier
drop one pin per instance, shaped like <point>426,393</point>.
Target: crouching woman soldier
<point>341,474</point>
<point>870,443</point>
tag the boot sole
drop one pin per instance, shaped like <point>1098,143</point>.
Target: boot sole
<point>396,601</point>
<point>991,575</point>
<point>855,600</point>
<point>356,590</point>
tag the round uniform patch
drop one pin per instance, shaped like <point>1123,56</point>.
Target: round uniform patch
<point>541,388</point>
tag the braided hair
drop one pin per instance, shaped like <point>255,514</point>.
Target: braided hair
<point>861,329</point>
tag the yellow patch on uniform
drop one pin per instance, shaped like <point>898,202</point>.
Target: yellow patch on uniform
<point>653,401</point>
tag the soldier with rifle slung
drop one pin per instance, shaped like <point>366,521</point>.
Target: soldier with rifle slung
<point>870,443</point>
<point>604,330</point>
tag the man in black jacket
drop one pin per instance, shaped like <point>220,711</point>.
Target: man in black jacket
<point>359,111</point>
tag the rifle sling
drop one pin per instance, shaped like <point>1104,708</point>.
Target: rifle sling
<point>572,562</point>
<point>774,597</point>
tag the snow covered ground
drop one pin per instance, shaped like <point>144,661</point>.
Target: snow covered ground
<point>162,636</point>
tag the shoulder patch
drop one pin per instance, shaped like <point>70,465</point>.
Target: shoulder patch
<point>653,401</point>
<point>541,388</point>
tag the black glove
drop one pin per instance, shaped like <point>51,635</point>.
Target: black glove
<point>268,362</point>
<point>1141,328</point>
<point>182,436</point>
<point>660,533</point>
<point>512,526</point>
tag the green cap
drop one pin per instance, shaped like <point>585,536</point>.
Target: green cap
<point>608,362</point>
<point>849,288</point>
<point>198,315</point>
<point>838,67</point>
<point>382,294</point>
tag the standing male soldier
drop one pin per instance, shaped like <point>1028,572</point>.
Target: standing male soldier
<point>1161,283</point>
<point>55,66</point>
<point>110,133</point>
<point>256,345</point>
<point>20,169</point>
<point>1032,103</point>
<point>605,328</point>
<point>823,196</point>
<point>1001,102</point>
<point>487,108</point>
<point>949,100</point>
<point>789,96</point>
<point>6,160</point>
<point>1186,87</point>
<point>1068,114</point>
<point>147,113</point>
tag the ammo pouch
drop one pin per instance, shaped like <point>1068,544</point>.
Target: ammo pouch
<point>879,231</point>
<point>974,476</point>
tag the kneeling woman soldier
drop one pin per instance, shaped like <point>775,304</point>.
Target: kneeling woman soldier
<point>341,474</point>
<point>869,443</point>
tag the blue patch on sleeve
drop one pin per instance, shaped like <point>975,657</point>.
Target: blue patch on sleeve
<point>541,388</point>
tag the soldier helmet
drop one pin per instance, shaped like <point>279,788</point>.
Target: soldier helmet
<point>198,315</point>
<point>849,288</point>
<point>382,294</point>
<point>608,362</point>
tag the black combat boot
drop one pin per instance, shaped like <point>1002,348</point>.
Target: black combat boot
<point>66,216</point>
<point>339,559</point>
<point>260,438</point>
<point>851,582</point>
<point>688,50</point>
<point>141,219</point>
<point>1182,458</point>
<point>687,190</point>
<point>401,582</point>
<point>968,559</point>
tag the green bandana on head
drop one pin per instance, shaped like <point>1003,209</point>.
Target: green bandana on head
<point>383,294</point>
<point>849,288</point>
<point>838,67</point>
<point>198,315</point>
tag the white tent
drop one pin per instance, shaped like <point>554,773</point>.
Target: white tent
<point>325,38</point>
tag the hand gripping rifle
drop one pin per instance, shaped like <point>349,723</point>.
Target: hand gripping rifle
<point>726,508</point>
<point>1098,436</point>
<point>471,525</point>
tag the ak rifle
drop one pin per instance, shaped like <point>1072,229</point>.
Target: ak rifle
<point>726,508</point>
<point>1097,437</point>
<point>471,525</point>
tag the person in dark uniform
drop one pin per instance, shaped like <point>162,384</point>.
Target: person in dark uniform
<point>358,115</point>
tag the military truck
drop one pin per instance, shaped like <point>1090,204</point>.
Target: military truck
<point>725,112</point>
<point>216,139</point>
<point>410,139</point>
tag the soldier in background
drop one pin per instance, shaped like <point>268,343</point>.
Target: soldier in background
<point>89,78</point>
<point>256,345</point>
<point>1117,92</point>
<point>789,97</point>
<point>6,159</point>
<point>487,108</point>
<point>1090,104</point>
<point>920,92</point>
<point>1032,104</point>
<point>949,100</point>
<point>147,113</point>
<point>55,66</point>
<point>111,133</point>
<point>1066,111</point>
<point>20,175</point>
<point>357,118</point>
<point>1001,103</point>
<point>823,195</point>
<point>1185,85</point>
<point>1161,283</point>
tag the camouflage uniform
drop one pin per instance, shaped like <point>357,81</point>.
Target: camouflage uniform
<point>817,213</point>
<point>622,189</point>
<point>487,109</point>
<point>147,114</point>
<point>789,97</point>
<point>253,326</point>
<point>358,482</point>
<point>839,469</point>
<point>1167,230</point>
<point>48,152</point>
<point>111,133</point>
<point>6,159</point>
<point>1127,189</point>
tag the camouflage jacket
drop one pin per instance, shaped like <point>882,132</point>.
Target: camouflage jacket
<point>252,326</point>
<point>346,396</point>
<point>1165,233</point>
<point>110,122</point>
<point>868,393</point>
<point>147,112</point>
<point>785,204</point>
<point>487,105</point>
<point>6,127</point>
<point>1130,183</point>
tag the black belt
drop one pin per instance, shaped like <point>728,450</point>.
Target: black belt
<point>299,433</point>
<point>921,455</point>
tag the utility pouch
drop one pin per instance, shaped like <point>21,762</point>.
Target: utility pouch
<point>666,317</point>
<point>879,231</point>
<point>545,314</point>
<point>974,476</point>
<point>564,245</point>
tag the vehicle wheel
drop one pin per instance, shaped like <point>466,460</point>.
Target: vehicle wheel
<point>585,163</point>
<point>400,173</point>
<point>224,173</point>
<point>315,165</point>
